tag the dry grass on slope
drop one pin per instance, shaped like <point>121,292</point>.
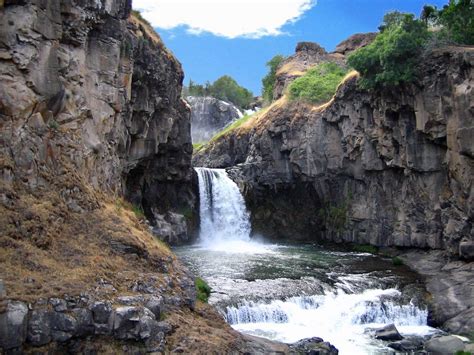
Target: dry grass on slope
<point>48,250</point>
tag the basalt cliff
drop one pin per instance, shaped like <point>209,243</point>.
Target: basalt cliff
<point>391,168</point>
<point>94,134</point>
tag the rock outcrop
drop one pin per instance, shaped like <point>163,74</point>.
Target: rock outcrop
<point>309,54</point>
<point>210,115</point>
<point>88,83</point>
<point>388,168</point>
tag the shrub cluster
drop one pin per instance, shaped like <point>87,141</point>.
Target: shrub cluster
<point>224,88</point>
<point>318,84</point>
<point>268,82</point>
<point>392,58</point>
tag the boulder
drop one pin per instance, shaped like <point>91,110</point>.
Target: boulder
<point>407,345</point>
<point>155,305</point>
<point>63,326</point>
<point>39,327</point>
<point>466,249</point>
<point>444,345</point>
<point>133,323</point>
<point>171,228</point>
<point>314,346</point>
<point>101,311</point>
<point>13,325</point>
<point>389,332</point>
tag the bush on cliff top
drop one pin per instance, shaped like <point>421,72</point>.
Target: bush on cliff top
<point>268,82</point>
<point>392,57</point>
<point>319,84</point>
<point>224,88</point>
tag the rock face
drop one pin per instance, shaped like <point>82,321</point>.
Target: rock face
<point>210,115</point>
<point>87,83</point>
<point>307,55</point>
<point>354,42</point>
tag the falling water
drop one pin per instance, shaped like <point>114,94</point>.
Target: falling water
<point>225,220</point>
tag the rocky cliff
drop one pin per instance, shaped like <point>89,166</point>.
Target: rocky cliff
<point>388,168</point>
<point>210,115</point>
<point>93,131</point>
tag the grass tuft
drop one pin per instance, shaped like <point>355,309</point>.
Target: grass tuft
<point>365,248</point>
<point>203,290</point>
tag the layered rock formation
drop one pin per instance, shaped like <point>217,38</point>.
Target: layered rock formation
<point>210,115</point>
<point>388,168</point>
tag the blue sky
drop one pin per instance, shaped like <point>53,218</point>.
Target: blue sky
<point>237,37</point>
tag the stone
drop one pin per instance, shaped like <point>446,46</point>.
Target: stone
<point>388,332</point>
<point>63,326</point>
<point>407,345</point>
<point>466,250</point>
<point>39,327</point>
<point>314,346</point>
<point>58,304</point>
<point>171,228</point>
<point>444,345</point>
<point>155,305</point>
<point>135,323</point>
<point>101,311</point>
<point>13,325</point>
<point>85,322</point>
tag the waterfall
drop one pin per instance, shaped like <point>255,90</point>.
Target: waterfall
<point>224,217</point>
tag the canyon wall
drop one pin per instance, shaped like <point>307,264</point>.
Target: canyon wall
<point>210,115</point>
<point>392,167</point>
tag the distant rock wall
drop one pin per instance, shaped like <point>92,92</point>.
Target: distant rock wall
<point>210,115</point>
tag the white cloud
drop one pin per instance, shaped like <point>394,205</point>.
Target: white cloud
<point>225,18</point>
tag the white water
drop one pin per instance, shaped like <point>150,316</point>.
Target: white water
<point>344,319</point>
<point>344,315</point>
<point>225,221</point>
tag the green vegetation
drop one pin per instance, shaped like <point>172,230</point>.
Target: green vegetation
<point>137,210</point>
<point>335,217</point>
<point>225,88</point>
<point>462,352</point>
<point>318,84</point>
<point>392,58</point>
<point>365,248</point>
<point>53,124</point>
<point>232,126</point>
<point>203,289</point>
<point>457,19</point>
<point>397,261</point>
<point>268,82</point>
<point>198,146</point>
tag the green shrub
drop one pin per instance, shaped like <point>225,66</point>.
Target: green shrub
<point>392,57</point>
<point>197,146</point>
<point>138,211</point>
<point>224,88</point>
<point>232,126</point>
<point>203,289</point>
<point>462,352</point>
<point>268,82</point>
<point>318,84</point>
<point>397,261</point>
<point>457,19</point>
